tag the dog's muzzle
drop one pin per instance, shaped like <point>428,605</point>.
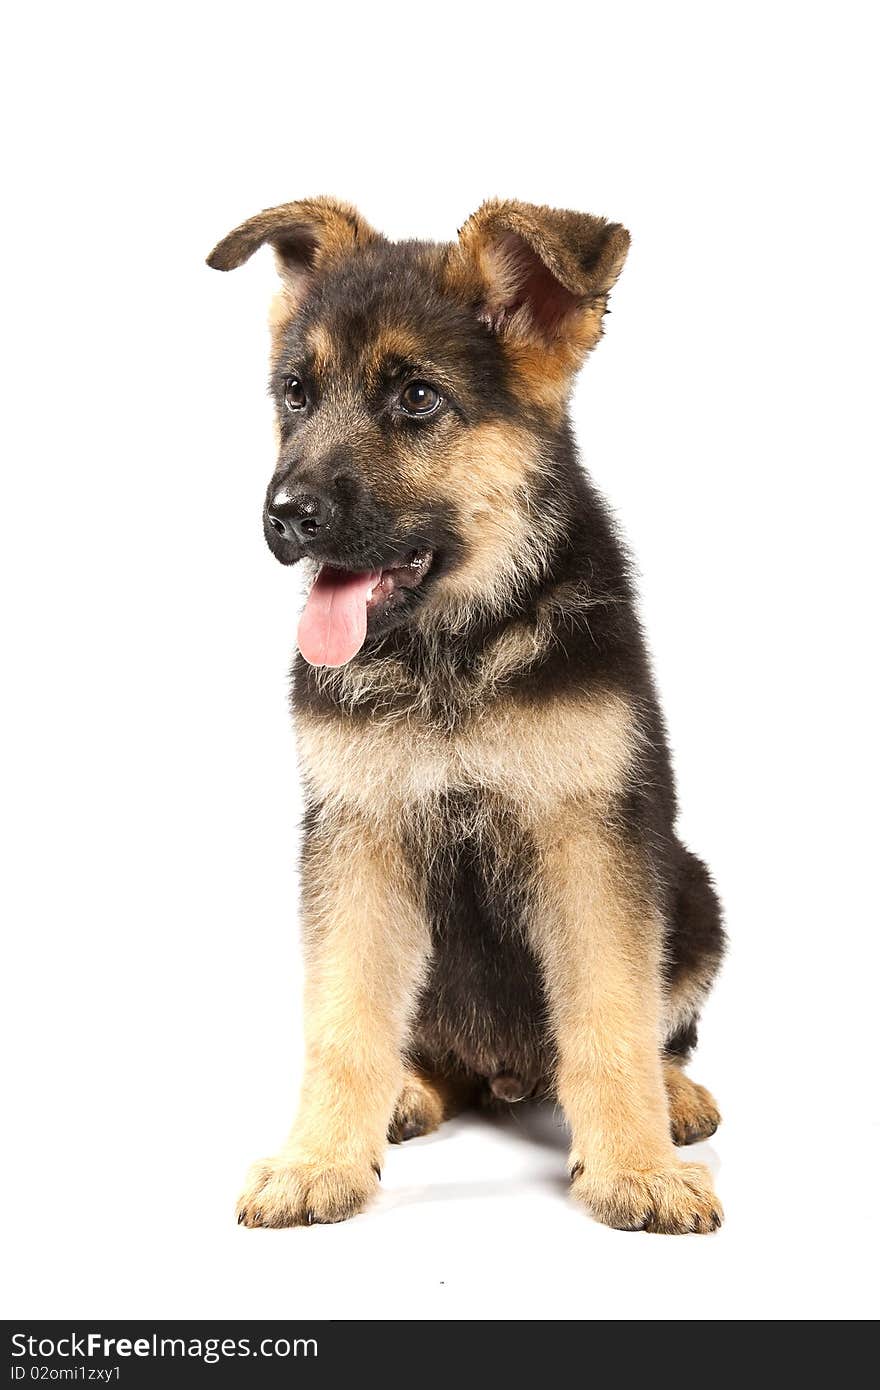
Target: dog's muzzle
<point>301,518</point>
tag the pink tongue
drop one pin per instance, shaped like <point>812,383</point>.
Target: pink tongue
<point>334,621</point>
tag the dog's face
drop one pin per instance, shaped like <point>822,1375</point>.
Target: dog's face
<point>417,388</point>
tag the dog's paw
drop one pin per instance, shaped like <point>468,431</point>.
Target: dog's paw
<point>675,1200</point>
<point>418,1111</point>
<point>693,1115</point>
<point>283,1192</point>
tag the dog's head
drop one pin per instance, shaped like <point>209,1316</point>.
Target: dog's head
<point>419,390</point>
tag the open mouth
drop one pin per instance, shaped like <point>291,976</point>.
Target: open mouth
<point>393,582</point>
<point>333,625</point>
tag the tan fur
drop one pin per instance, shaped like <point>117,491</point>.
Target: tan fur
<point>545,370</point>
<point>393,341</point>
<point>281,310</point>
<point>693,1112</point>
<point>488,473</point>
<point>600,944</point>
<point>367,943</point>
<point>584,254</point>
<point>686,997</point>
<point>425,1102</point>
<point>321,345</point>
<point>534,758</point>
<point>312,229</point>
<point>307,237</point>
<point>546,375</point>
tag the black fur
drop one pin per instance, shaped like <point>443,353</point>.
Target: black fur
<point>482,1010</point>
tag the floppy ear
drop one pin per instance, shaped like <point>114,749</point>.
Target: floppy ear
<point>545,273</point>
<point>305,236</point>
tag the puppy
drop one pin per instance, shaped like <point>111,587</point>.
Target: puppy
<point>495,902</point>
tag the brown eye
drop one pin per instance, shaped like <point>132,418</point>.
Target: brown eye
<point>294,394</point>
<point>418,398</point>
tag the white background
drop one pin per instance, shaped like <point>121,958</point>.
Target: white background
<point>151,804</point>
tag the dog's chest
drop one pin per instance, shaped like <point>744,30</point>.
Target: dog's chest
<point>530,755</point>
<point>462,805</point>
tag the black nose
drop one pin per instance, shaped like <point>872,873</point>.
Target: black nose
<point>299,517</point>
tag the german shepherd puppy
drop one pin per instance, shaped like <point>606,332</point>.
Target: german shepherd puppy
<point>495,901</point>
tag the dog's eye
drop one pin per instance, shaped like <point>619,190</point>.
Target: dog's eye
<point>419,398</point>
<point>295,394</point>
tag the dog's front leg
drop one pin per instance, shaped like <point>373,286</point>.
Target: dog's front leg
<point>600,939</point>
<point>366,944</point>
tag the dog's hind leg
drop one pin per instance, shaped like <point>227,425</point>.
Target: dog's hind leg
<point>693,1113</point>
<point>695,946</point>
<point>693,952</point>
<point>426,1100</point>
